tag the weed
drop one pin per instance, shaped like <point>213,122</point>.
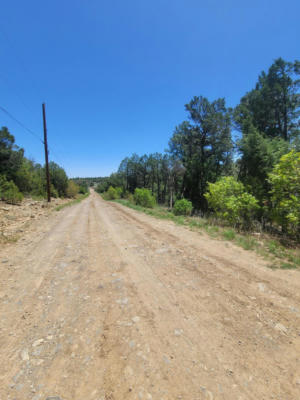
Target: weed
<point>246,242</point>
<point>286,265</point>
<point>212,230</point>
<point>37,197</point>
<point>229,234</point>
<point>179,220</point>
<point>275,248</point>
<point>193,223</point>
<point>293,259</point>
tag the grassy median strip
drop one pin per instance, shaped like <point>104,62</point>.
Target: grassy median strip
<point>72,202</point>
<point>280,255</point>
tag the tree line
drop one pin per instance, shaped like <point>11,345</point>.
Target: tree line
<point>20,176</point>
<point>202,150</point>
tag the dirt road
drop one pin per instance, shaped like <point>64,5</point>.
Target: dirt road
<point>100,302</point>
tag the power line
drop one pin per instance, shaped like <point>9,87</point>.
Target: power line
<point>32,133</point>
<point>21,124</point>
<point>55,154</point>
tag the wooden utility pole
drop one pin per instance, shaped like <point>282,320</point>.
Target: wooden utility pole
<point>46,154</point>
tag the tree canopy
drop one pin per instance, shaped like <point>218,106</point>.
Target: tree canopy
<point>25,176</point>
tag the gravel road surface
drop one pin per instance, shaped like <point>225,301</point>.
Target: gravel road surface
<point>100,302</point>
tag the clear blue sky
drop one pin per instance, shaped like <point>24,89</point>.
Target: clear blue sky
<point>115,75</point>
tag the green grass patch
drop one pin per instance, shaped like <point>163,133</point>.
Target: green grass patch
<point>229,234</point>
<point>286,265</point>
<point>79,198</point>
<point>283,265</point>
<point>276,248</point>
<point>179,220</point>
<point>212,230</point>
<point>293,258</point>
<point>37,197</point>
<point>246,242</point>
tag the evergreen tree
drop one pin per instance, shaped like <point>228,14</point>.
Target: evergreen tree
<point>273,107</point>
<point>203,145</point>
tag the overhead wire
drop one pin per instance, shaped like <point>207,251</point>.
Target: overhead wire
<point>50,149</point>
<point>21,124</point>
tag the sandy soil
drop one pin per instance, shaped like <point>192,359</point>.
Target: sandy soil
<point>16,219</point>
<point>99,302</point>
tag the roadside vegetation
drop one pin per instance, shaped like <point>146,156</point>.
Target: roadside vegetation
<point>246,188</point>
<point>21,177</point>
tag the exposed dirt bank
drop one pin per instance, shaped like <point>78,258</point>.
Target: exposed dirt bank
<point>16,219</point>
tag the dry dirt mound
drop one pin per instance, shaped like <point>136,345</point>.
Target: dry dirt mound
<point>16,219</point>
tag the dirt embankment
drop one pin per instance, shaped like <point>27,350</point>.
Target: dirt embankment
<point>99,302</point>
<point>16,219</point>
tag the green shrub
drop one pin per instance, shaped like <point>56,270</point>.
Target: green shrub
<point>83,189</point>
<point>9,192</point>
<point>143,197</point>
<point>72,189</point>
<point>183,207</point>
<point>119,192</point>
<point>101,187</point>
<point>58,179</point>
<point>230,201</point>
<point>285,182</point>
<point>130,198</point>
<point>53,191</point>
<point>38,187</point>
<point>105,196</point>
<point>111,194</point>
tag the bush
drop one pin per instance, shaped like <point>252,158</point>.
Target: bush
<point>53,191</point>
<point>119,192</point>
<point>285,183</point>
<point>111,194</point>
<point>83,189</point>
<point>130,198</point>
<point>72,189</point>
<point>38,186</point>
<point>229,199</point>
<point>9,192</point>
<point>58,179</point>
<point>143,197</point>
<point>101,187</point>
<point>183,207</point>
